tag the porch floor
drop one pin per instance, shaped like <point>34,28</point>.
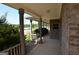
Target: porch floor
<point>49,47</point>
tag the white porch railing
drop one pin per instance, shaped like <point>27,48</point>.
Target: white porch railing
<point>15,50</point>
<point>34,36</point>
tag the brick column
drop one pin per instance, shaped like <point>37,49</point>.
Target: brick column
<point>70,28</point>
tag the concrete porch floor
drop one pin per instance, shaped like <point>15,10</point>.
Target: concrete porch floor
<point>49,47</point>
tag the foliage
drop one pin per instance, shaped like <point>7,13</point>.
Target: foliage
<point>28,38</point>
<point>9,35</point>
<point>3,19</point>
<point>44,31</point>
<point>33,25</point>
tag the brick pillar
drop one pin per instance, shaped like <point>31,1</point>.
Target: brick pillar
<point>70,28</point>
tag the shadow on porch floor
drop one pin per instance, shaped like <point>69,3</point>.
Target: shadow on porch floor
<point>49,47</point>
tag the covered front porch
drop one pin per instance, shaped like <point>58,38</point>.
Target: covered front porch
<point>43,13</point>
<point>62,21</point>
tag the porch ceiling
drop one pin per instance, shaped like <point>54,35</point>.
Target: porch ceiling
<point>45,10</point>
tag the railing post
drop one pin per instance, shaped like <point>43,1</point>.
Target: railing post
<point>46,25</point>
<point>22,41</point>
<point>31,29</point>
<point>43,24</point>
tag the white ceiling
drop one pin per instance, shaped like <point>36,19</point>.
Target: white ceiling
<point>45,10</point>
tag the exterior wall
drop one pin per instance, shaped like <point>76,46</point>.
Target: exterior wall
<point>70,29</point>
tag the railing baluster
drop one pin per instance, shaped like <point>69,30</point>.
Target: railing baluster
<point>19,50</point>
<point>11,51</point>
<point>16,50</point>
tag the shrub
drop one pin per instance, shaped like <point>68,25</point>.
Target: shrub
<point>9,34</point>
<point>28,38</point>
<point>44,32</point>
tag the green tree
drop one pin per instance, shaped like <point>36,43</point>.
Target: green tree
<point>3,19</point>
<point>9,34</point>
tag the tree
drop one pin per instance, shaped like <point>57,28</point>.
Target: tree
<point>9,34</point>
<point>3,19</point>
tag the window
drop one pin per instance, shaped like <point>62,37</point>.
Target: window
<point>55,26</point>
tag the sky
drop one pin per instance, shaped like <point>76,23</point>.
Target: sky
<point>12,14</point>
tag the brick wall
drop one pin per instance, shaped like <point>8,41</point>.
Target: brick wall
<point>70,28</point>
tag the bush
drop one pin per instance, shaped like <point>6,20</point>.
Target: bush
<point>28,38</point>
<point>9,36</point>
<point>44,32</point>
